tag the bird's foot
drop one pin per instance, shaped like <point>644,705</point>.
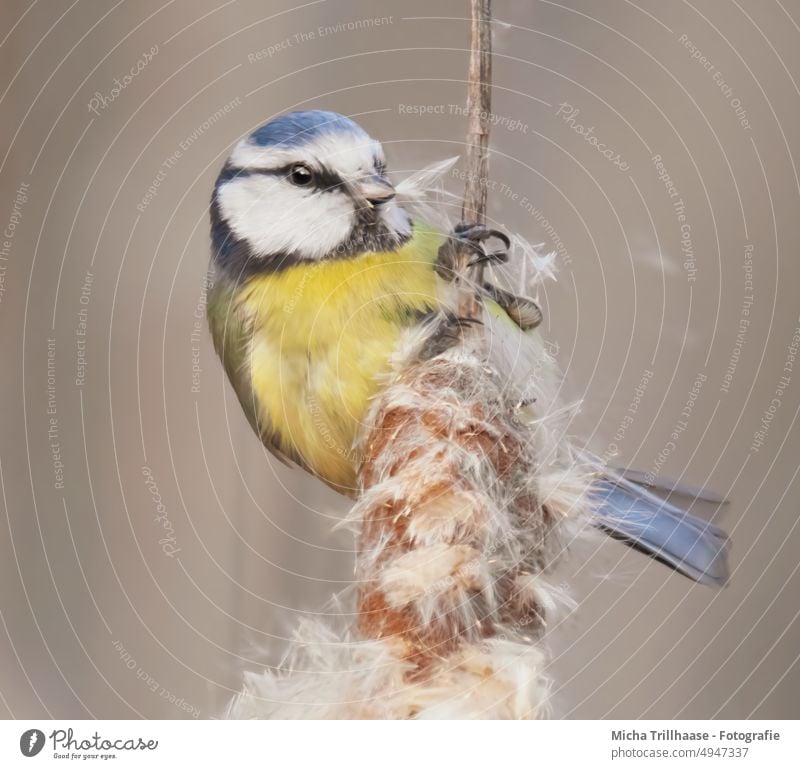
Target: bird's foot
<point>473,238</point>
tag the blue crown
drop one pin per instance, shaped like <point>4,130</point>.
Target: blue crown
<point>296,128</point>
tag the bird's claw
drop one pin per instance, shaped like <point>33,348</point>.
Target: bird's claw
<point>477,233</point>
<point>472,237</point>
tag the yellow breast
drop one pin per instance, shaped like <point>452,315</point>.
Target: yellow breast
<point>322,335</point>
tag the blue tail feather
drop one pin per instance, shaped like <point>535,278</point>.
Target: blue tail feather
<point>690,545</point>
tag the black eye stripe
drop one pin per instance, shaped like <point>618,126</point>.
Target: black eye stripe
<point>324,180</point>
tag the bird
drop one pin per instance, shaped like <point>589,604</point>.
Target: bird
<point>318,274</point>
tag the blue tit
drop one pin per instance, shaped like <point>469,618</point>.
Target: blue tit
<point>319,275</point>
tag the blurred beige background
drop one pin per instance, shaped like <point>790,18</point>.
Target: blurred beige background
<point>150,550</point>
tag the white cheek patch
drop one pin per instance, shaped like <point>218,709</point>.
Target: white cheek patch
<point>273,216</point>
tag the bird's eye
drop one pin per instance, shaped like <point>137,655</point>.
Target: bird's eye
<point>301,175</point>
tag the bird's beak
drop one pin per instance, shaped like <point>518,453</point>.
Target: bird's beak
<point>375,189</point>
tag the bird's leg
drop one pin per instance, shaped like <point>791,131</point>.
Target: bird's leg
<point>473,237</point>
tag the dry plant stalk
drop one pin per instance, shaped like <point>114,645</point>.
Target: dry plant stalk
<point>479,107</point>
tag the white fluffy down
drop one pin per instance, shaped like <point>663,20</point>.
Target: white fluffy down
<point>331,678</point>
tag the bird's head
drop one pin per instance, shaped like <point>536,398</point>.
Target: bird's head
<point>307,186</point>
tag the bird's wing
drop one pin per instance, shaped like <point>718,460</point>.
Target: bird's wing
<point>232,331</point>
